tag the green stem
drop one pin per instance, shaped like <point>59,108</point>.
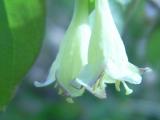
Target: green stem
<point>91,5</point>
<point>80,11</point>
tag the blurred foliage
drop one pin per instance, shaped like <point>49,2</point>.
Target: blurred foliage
<point>21,33</point>
<point>153,52</point>
<point>138,22</point>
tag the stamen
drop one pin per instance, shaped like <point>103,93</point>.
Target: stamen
<point>60,91</point>
<point>117,85</point>
<point>128,90</point>
<point>69,100</point>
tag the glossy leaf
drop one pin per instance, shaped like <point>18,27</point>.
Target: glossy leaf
<point>21,33</point>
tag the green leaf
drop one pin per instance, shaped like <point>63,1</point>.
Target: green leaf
<point>21,33</point>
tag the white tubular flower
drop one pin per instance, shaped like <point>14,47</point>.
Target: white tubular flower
<point>73,53</point>
<point>107,58</point>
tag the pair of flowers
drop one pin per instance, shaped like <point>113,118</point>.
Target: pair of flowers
<point>92,54</point>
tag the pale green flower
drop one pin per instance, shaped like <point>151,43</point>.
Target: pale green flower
<point>72,55</point>
<point>92,60</point>
<point>107,58</point>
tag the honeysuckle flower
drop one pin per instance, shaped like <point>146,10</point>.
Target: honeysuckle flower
<point>92,60</point>
<point>107,58</point>
<point>72,54</point>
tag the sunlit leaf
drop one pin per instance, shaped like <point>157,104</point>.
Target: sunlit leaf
<point>21,33</point>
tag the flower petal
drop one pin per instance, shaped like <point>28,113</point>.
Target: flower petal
<point>51,77</point>
<point>90,78</point>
